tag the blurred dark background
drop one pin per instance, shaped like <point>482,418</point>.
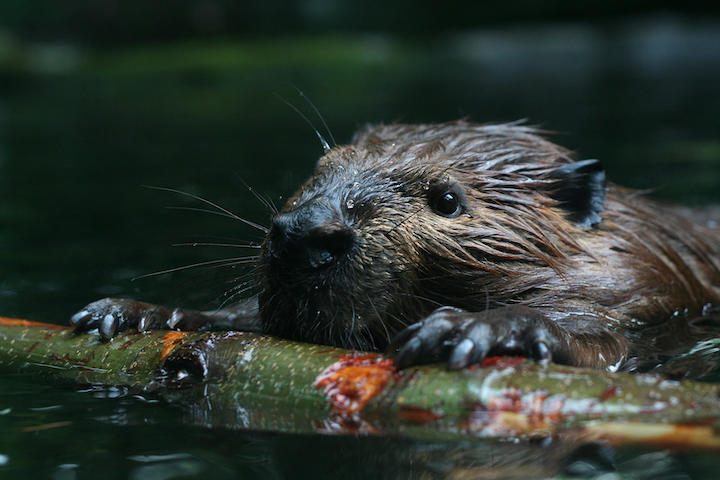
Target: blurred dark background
<point>117,22</point>
<point>98,98</point>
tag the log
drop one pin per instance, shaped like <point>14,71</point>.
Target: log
<point>250,381</point>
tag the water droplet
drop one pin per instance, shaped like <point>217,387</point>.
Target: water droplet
<point>350,204</point>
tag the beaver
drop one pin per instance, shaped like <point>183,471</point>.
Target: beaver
<point>454,241</point>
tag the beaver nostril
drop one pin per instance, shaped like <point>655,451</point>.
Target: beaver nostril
<point>335,238</point>
<point>311,234</point>
<point>327,243</point>
<point>278,236</point>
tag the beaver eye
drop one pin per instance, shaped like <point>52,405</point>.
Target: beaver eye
<point>446,203</point>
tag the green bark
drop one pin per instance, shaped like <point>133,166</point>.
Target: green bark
<point>243,380</point>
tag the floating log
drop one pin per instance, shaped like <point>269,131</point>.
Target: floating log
<point>250,381</point>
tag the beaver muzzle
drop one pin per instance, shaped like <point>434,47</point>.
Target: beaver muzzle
<point>311,236</point>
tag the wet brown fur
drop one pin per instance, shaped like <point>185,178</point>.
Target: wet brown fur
<point>605,284</point>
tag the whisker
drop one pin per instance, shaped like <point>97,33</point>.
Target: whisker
<point>201,210</point>
<point>319,115</point>
<point>368,335</point>
<point>352,324</point>
<point>212,204</point>
<point>272,205</point>
<point>237,261</point>
<point>381,320</point>
<point>419,297</point>
<point>323,142</point>
<point>265,201</point>
<point>398,320</point>
<point>408,217</point>
<point>226,239</point>
<point>209,244</point>
<point>245,261</point>
<point>234,296</point>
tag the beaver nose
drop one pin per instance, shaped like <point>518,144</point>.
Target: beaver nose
<point>313,233</point>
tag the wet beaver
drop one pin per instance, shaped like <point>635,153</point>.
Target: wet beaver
<point>454,241</point>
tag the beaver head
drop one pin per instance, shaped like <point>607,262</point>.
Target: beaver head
<point>412,217</point>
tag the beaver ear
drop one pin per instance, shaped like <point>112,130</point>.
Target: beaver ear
<point>580,190</point>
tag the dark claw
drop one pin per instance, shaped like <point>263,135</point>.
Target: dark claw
<point>480,334</point>
<point>429,339</point>
<point>465,338</point>
<point>108,326</point>
<point>175,318</point>
<point>434,331</point>
<point>404,334</point>
<point>80,318</point>
<point>145,323</point>
<point>407,354</point>
<point>110,316</point>
<point>541,351</point>
<point>461,355</point>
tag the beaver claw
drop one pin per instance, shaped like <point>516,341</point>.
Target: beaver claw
<point>111,316</point>
<point>465,338</point>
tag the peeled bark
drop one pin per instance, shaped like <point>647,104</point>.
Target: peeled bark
<point>244,380</point>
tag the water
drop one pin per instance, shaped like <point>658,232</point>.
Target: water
<point>82,130</point>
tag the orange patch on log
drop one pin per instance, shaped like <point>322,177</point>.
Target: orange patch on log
<point>353,380</point>
<point>170,340</point>
<point>16,322</point>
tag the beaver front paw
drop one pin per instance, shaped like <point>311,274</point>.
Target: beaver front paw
<point>465,338</point>
<point>111,316</point>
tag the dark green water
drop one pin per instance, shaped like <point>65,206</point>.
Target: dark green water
<point>81,131</point>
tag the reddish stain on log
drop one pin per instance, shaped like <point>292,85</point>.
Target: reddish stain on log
<point>419,416</point>
<point>514,412</point>
<point>609,393</point>
<point>498,362</point>
<point>170,340</point>
<point>353,380</point>
<point>16,322</point>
